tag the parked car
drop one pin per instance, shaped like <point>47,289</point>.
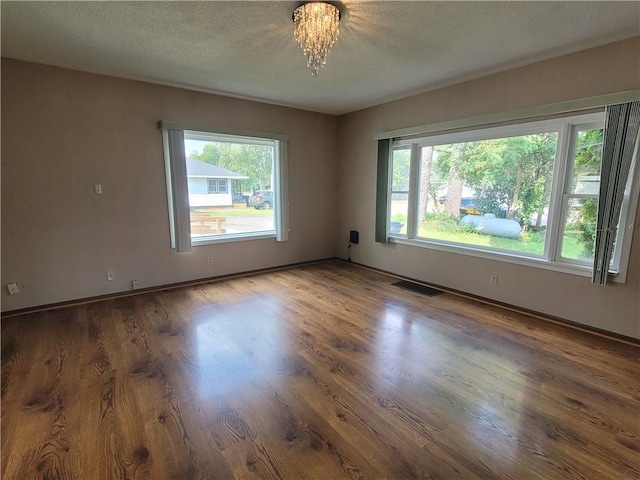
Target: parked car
<point>238,197</point>
<point>261,199</point>
<point>467,205</point>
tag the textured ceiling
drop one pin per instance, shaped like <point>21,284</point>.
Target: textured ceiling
<point>386,50</point>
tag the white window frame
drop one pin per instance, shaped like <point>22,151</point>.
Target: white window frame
<point>564,191</point>
<point>179,193</point>
<point>565,126</point>
<point>217,183</point>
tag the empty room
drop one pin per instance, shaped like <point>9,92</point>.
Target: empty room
<point>320,240</point>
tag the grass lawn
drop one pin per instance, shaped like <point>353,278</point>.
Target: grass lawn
<point>528,242</point>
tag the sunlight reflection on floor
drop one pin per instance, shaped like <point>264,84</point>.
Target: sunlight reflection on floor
<point>234,340</point>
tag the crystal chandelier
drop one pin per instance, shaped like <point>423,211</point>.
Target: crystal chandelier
<point>316,30</point>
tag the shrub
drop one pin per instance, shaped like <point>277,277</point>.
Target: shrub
<point>589,224</point>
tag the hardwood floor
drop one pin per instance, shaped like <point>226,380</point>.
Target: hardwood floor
<point>325,371</point>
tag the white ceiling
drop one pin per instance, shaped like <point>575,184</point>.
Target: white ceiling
<point>386,50</point>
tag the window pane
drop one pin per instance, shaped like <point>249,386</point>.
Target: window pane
<point>215,169</point>
<point>489,193</point>
<point>399,210</point>
<point>578,239</point>
<point>401,169</point>
<point>587,161</point>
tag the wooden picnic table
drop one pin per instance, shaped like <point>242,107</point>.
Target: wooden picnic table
<point>207,224</point>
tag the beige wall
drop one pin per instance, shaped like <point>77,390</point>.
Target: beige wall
<point>63,131</point>
<point>599,71</point>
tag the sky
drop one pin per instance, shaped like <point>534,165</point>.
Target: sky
<point>191,145</point>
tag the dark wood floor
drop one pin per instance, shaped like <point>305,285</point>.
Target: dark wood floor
<point>325,371</point>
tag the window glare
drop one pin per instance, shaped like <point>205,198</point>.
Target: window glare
<point>401,166</point>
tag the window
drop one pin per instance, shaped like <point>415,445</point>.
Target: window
<point>580,195</point>
<point>217,182</point>
<point>216,185</point>
<point>526,193</point>
<point>400,177</point>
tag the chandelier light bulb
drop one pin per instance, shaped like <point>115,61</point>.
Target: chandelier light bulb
<point>316,30</point>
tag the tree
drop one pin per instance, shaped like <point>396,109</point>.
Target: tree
<point>588,153</point>
<point>511,177</point>
<point>454,183</point>
<point>587,163</point>
<point>254,161</point>
<point>514,172</point>
<point>445,166</point>
<point>401,167</point>
<point>425,182</point>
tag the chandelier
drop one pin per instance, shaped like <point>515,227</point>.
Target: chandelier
<point>316,30</point>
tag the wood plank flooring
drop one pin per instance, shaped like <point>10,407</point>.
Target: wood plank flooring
<point>325,371</point>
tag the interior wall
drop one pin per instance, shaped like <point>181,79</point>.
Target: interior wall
<point>608,69</point>
<point>63,131</point>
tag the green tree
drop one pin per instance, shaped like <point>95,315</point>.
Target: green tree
<point>254,161</point>
<point>513,171</point>
<point>588,153</point>
<point>446,169</point>
<point>587,163</point>
<point>425,182</point>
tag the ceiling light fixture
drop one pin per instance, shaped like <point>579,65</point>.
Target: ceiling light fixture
<point>316,30</point>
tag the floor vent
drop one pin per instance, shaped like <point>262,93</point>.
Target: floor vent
<point>416,287</point>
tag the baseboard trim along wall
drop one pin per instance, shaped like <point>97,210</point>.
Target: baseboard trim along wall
<point>157,288</point>
<point>514,308</point>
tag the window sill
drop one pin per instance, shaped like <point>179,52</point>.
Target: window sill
<point>236,237</point>
<point>571,269</point>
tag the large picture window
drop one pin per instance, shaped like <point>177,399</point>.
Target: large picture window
<point>224,186</point>
<point>525,192</point>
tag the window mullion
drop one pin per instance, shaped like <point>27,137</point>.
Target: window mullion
<point>414,186</point>
<point>556,206</point>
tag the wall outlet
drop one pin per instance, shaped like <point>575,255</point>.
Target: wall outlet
<point>111,275</point>
<point>135,284</point>
<point>97,188</point>
<point>13,288</point>
<point>493,280</point>
<point>209,260</point>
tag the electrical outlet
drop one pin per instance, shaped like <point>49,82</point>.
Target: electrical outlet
<point>13,288</point>
<point>111,275</point>
<point>135,284</point>
<point>97,188</point>
<point>209,260</point>
<point>493,279</point>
